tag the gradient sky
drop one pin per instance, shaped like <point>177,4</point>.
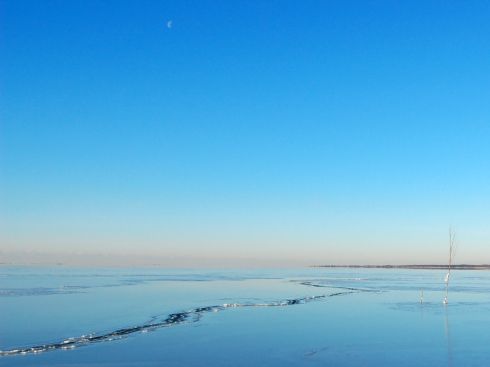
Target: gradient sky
<point>246,133</point>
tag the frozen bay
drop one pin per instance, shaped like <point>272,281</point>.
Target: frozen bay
<point>294,317</point>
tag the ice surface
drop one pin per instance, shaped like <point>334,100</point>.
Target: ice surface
<point>154,317</point>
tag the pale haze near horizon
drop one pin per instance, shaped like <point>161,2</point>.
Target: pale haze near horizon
<point>246,135</point>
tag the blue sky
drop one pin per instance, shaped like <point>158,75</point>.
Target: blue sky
<point>246,133</point>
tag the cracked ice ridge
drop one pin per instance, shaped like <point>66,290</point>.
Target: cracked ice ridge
<point>192,315</point>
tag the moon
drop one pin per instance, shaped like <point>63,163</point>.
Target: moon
<point>169,24</point>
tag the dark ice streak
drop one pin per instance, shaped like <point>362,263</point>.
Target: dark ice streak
<point>192,315</point>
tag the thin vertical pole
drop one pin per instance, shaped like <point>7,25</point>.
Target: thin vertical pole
<point>451,248</point>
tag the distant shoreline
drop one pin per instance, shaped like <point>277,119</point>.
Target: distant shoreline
<point>426,267</point>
